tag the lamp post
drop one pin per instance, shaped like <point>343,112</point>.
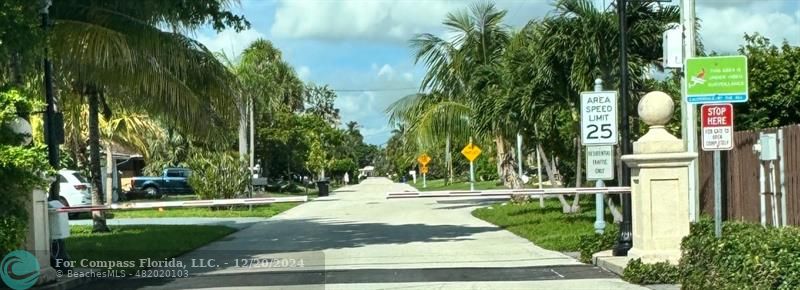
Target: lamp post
<point>51,117</point>
<point>53,132</point>
<point>625,239</point>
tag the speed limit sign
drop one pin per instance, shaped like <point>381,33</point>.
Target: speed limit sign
<point>599,118</point>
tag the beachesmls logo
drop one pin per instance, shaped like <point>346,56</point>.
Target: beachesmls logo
<point>20,270</point>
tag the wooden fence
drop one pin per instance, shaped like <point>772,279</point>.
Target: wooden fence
<point>740,178</point>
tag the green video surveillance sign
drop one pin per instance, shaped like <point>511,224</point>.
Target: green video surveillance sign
<point>718,79</point>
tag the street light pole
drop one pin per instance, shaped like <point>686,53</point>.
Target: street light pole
<point>625,239</point>
<point>50,117</point>
<point>53,133</point>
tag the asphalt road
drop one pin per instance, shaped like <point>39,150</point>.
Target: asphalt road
<point>356,239</point>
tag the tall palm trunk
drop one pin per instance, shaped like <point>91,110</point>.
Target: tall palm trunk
<point>98,217</point>
<point>505,164</point>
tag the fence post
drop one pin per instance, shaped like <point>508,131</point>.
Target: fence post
<point>781,158</point>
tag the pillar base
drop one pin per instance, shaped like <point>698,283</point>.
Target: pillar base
<point>660,204</point>
<point>655,256</point>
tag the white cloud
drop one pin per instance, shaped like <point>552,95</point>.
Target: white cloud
<point>394,20</point>
<point>369,132</point>
<point>368,108</point>
<point>303,72</point>
<point>723,28</point>
<point>229,41</point>
<point>386,71</point>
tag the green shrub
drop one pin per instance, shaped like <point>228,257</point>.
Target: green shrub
<point>658,273</point>
<point>21,170</point>
<point>218,175</point>
<point>593,243</point>
<point>748,256</point>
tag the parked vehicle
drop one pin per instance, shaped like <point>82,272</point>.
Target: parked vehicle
<point>171,181</point>
<point>75,190</point>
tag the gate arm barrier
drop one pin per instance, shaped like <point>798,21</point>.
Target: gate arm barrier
<point>509,192</point>
<point>186,203</point>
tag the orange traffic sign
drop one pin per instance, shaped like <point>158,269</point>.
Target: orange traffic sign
<point>471,151</point>
<point>424,159</point>
<point>423,169</point>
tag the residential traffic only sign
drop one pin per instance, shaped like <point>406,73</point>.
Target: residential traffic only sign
<point>471,151</point>
<point>717,123</point>
<point>424,159</point>
<point>600,162</point>
<point>718,79</point>
<point>599,118</point>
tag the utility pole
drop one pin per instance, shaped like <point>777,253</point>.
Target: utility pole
<point>252,148</point>
<point>688,111</point>
<point>625,239</point>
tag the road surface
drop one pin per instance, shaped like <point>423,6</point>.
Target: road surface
<point>356,239</point>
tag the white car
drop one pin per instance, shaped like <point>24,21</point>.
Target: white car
<point>75,190</point>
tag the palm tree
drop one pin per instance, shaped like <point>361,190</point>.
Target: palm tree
<point>462,80</point>
<point>267,84</point>
<point>118,50</point>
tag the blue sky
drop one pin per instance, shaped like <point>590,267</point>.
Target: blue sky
<point>360,47</point>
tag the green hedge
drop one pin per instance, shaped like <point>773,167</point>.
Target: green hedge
<point>748,256</point>
<point>593,243</point>
<point>658,273</point>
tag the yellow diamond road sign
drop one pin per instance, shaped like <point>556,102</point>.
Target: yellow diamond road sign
<point>424,159</point>
<point>471,151</point>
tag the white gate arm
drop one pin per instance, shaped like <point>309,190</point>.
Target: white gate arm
<point>509,192</point>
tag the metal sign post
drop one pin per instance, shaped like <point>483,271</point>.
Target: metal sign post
<point>599,158</point>
<point>717,121</point>
<point>424,170</point>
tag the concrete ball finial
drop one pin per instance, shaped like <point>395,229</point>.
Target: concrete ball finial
<point>656,108</point>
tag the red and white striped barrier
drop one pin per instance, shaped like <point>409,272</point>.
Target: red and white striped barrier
<point>187,203</point>
<point>509,192</point>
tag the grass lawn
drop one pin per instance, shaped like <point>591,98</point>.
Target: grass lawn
<point>438,184</point>
<point>239,211</point>
<point>546,227</point>
<point>131,243</point>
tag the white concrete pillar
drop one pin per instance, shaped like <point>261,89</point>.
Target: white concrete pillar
<point>659,185</point>
<point>37,241</point>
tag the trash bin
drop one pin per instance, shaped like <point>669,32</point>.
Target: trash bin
<point>322,186</point>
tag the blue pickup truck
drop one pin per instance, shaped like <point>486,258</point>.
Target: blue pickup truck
<point>171,181</point>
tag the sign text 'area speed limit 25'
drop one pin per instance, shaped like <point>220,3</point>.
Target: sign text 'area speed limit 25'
<point>599,118</point>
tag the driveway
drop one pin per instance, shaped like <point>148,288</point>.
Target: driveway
<point>356,239</point>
